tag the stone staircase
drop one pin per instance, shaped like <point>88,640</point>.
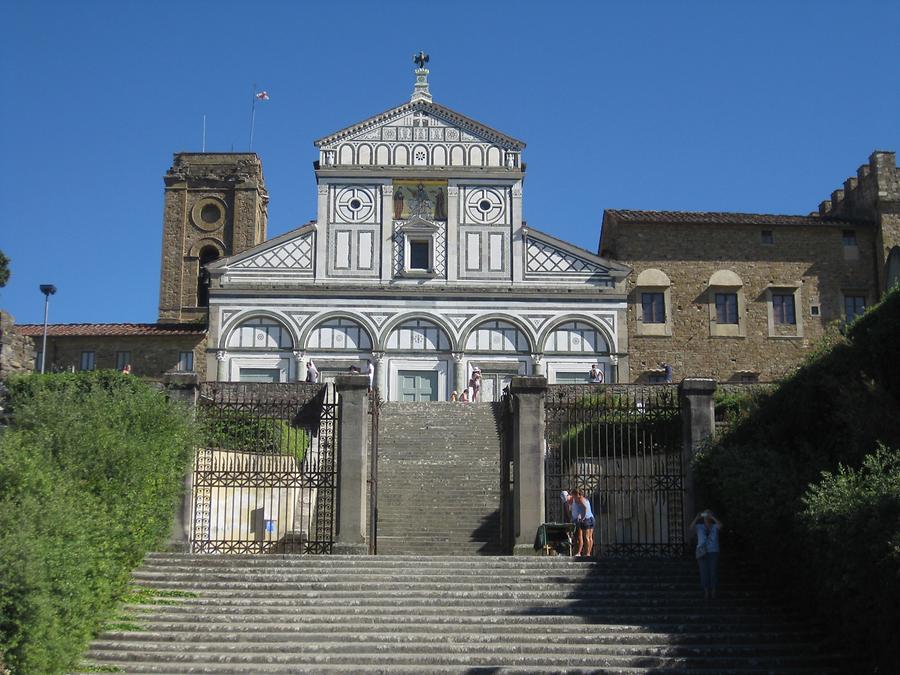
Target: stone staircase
<point>304,614</point>
<point>439,479</point>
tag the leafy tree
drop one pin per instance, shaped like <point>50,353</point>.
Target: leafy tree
<point>4,269</point>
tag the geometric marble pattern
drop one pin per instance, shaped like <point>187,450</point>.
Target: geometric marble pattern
<point>543,257</point>
<point>295,254</point>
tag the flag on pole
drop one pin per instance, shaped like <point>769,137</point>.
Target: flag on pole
<point>262,96</point>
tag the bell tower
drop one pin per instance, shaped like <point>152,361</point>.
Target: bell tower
<point>216,205</point>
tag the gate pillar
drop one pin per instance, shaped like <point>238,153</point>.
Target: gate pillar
<point>352,467</point>
<point>528,460</point>
<point>698,417</point>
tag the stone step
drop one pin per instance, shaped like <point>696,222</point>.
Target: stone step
<point>338,654</point>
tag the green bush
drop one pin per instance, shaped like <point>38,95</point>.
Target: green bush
<point>91,471</point>
<point>852,521</point>
<point>833,411</point>
<point>245,431</point>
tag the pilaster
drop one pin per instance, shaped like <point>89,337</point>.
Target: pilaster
<point>353,431</point>
<point>452,232</point>
<point>387,231</point>
<point>321,262</point>
<point>518,235</point>
<point>528,460</point>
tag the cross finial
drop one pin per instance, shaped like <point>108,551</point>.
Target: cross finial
<point>420,59</point>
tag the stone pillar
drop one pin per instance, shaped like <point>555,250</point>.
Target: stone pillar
<point>302,372</point>
<point>528,461</point>
<point>381,382</point>
<point>221,366</point>
<point>353,431</point>
<point>184,387</point>
<point>538,360</point>
<point>698,419</point>
<point>613,369</point>
<point>459,372</point>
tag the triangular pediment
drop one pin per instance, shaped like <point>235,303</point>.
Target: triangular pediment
<point>546,255</point>
<point>293,251</point>
<point>421,122</point>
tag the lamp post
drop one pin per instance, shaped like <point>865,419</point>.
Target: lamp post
<point>47,290</point>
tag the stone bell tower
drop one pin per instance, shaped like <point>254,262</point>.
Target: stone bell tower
<point>215,206</point>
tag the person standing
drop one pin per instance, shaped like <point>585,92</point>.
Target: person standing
<point>312,373</point>
<point>707,528</point>
<point>596,375</point>
<point>583,518</point>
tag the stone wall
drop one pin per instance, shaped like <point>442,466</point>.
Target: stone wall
<point>150,357</point>
<point>213,201</point>
<point>812,259</point>
<point>17,352</point>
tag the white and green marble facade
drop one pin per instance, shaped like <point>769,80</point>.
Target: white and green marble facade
<point>437,279</point>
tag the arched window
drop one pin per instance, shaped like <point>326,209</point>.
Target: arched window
<point>208,254</point>
<point>260,333</point>
<point>576,337</point>
<point>339,334</point>
<point>497,336</point>
<point>418,335</point>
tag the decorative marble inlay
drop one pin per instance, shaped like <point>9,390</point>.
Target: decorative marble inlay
<point>297,254</point>
<point>543,257</point>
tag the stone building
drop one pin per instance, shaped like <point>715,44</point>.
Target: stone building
<point>742,297</point>
<point>419,262</point>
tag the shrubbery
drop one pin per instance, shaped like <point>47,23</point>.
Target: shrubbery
<point>91,472</point>
<point>765,475</point>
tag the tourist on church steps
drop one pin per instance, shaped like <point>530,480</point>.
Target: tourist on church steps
<point>596,375</point>
<point>312,373</point>
<point>583,517</point>
<point>475,384</point>
<point>707,527</point>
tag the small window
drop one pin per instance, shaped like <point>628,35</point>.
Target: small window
<point>848,237</point>
<point>419,255</point>
<point>653,307</point>
<point>726,308</point>
<point>783,309</point>
<point>815,310</point>
<point>767,237</point>
<point>854,306</point>
<point>122,360</point>
<point>186,362</point>
<point>748,378</point>
<point>87,361</point>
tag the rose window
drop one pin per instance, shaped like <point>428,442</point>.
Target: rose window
<point>484,205</point>
<point>355,205</point>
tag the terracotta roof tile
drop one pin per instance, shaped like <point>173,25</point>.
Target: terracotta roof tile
<point>110,329</point>
<point>721,218</point>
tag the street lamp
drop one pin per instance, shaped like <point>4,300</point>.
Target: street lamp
<point>47,290</point>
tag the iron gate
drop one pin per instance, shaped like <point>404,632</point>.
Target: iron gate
<point>265,474</point>
<point>622,445</point>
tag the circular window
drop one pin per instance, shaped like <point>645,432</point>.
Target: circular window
<point>355,204</point>
<point>484,205</point>
<point>210,214</point>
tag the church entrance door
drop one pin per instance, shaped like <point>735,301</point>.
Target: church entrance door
<point>415,385</point>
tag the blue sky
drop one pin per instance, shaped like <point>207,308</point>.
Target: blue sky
<point>757,107</point>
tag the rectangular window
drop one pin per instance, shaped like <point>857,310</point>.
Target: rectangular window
<point>783,309</point>
<point>87,361</point>
<point>419,255</point>
<point>726,308</point>
<point>848,237</point>
<point>767,237</point>
<point>186,362</point>
<point>653,307</point>
<point>122,360</point>
<point>854,306</point>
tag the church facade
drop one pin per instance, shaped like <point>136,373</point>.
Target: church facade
<point>419,263</point>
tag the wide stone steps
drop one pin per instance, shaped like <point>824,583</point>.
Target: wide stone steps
<point>306,614</point>
<point>438,479</point>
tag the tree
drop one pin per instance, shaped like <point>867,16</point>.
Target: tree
<point>4,269</point>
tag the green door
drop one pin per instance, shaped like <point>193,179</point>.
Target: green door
<point>417,385</point>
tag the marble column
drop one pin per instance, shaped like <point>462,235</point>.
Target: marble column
<point>381,383</point>
<point>300,359</point>
<point>459,372</point>
<point>221,366</point>
<point>538,360</point>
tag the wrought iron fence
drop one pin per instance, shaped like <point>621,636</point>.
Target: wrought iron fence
<point>622,446</point>
<point>265,475</point>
